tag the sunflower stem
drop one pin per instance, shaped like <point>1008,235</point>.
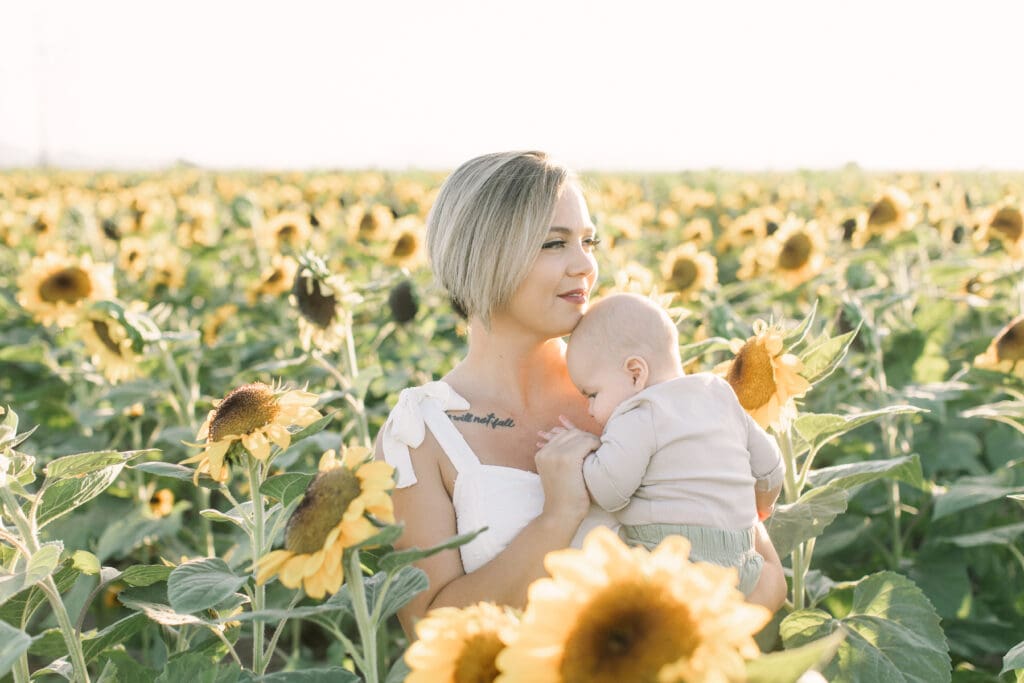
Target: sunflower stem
<point>353,370</point>
<point>367,627</point>
<point>259,593</point>
<point>272,645</point>
<point>792,488</point>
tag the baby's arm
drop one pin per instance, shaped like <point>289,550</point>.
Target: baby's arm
<point>767,466</point>
<point>615,471</point>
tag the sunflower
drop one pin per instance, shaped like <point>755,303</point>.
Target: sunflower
<point>56,288</point>
<point>633,277</point>
<point>888,216</point>
<point>613,613</point>
<point>287,229</point>
<point>460,645</point>
<point>1006,352</point>
<point>698,231</point>
<point>688,272</point>
<point>115,348</point>
<point>795,253</point>
<point>331,517</point>
<point>324,301</point>
<point>161,503</point>
<point>256,415</point>
<point>369,223</point>
<point>214,321</point>
<point>764,377</point>
<point>277,279</point>
<point>1005,224</point>
<point>132,256</point>
<point>166,272</point>
<point>406,246</point>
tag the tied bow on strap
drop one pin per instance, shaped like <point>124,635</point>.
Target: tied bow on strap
<point>406,426</point>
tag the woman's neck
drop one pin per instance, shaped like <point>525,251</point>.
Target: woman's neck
<point>511,365</point>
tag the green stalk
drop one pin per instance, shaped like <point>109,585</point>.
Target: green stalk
<point>49,587</point>
<point>20,669</point>
<point>257,542</point>
<point>367,630</point>
<point>792,490</point>
<point>353,369</point>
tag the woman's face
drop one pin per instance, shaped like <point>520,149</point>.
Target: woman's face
<point>556,291</point>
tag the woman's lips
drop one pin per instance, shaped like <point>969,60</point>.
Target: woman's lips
<point>577,296</point>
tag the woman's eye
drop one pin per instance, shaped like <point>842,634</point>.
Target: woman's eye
<point>553,244</point>
<point>592,242</point>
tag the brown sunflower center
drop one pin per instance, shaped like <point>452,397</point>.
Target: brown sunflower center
<point>795,252</point>
<point>368,225</point>
<point>244,410</point>
<point>752,376</point>
<point>476,661</point>
<point>1009,223</point>
<point>883,212</point>
<point>68,285</point>
<point>404,246</point>
<point>684,273</point>
<point>287,233</point>
<point>327,498</point>
<point>1010,345</point>
<point>276,276</point>
<point>102,330</point>
<point>628,633</point>
<point>316,307</point>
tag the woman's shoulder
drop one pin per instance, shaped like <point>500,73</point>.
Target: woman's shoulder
<point>406,426</point>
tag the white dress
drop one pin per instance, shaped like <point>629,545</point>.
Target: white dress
<point>503,499</point>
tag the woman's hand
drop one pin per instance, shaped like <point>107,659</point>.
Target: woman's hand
<point>560,466</point>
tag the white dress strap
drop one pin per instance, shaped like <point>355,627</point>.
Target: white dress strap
<point>418,408</point>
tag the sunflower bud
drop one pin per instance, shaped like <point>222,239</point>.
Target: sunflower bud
<point>403,302</point>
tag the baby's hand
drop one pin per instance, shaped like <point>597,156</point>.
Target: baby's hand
<point>567,441</point>
<point>555,431</point>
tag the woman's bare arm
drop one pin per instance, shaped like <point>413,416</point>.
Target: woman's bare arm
<point>429,518</point>
<point>771,588</point>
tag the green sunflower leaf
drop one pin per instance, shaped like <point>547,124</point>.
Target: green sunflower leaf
<point>201,584</point>
<point>892,634</point>
<point>335,674</point>
<point>819,429</point>
<point>788,665</point>
<point>1013,661</point>
<point>400,558</point>
<point>824,356</point>
<point>286,487</point>
<point>74,466</point>
<point>13,643</point>
<point>41,565</point>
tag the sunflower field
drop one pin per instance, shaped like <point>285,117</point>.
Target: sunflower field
<point>194,367</point>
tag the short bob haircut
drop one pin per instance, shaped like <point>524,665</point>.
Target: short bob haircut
<point>487,226</point>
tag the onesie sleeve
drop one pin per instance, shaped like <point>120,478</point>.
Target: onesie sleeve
<point>614,471</point>
<point>406,424</point>
<point>765,458</point>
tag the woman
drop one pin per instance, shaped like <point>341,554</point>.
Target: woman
<point>511,240</point>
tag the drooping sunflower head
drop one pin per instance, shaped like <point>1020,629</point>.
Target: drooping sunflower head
<point>890,213</point>
<point>687,271</point>
<point>460,645</point>
<point>610,613</point>
<point>286,230</point>
<point>1006,351</point>
<point>1005,224</point>
<point>276,279</point>
<point>764,377</point>
<point>255,415</point>
<point>56,288</point>
<point>324,301</point>
<point>334,514</point>
<point>112,340</point>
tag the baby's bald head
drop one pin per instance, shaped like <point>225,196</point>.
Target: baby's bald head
<point>624,325</point>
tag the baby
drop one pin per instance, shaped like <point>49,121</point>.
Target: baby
<point>678,454</point>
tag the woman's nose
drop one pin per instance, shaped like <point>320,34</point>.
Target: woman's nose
<point>582,262</point>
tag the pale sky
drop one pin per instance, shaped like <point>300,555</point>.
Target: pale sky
<point>601,85</point>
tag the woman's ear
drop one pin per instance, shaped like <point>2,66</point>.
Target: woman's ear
<point>638,370</point>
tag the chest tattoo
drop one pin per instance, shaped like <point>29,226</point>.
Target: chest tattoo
<point>490,419</point>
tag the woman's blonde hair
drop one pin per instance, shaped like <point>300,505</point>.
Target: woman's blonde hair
<point>487,225</point>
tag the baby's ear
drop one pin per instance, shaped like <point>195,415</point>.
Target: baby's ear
<point>638,370</point>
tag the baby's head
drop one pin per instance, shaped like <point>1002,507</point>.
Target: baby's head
<point>624,344</point>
